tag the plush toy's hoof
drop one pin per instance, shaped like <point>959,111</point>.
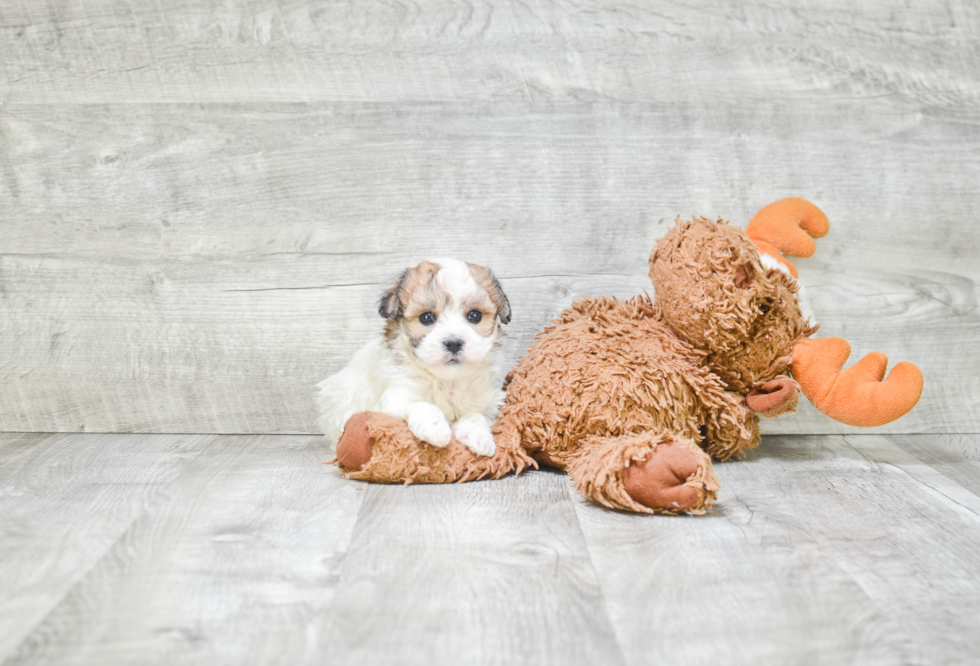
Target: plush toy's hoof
<point>355,444</point>
<point>659,481</point>
<point>773,398</point>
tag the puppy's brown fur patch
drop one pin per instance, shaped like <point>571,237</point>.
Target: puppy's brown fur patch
<point>498,299</point>
<point>412,281</point>
<point>416,292</point>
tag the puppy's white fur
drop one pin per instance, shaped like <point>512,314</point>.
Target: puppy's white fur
<point>439,393</point>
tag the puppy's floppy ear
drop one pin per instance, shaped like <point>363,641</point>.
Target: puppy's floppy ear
<point>499,299</point>
<point>390,305</point>
<point>497,295</point>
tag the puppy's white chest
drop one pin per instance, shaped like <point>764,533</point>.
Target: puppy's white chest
<point>450,397</point>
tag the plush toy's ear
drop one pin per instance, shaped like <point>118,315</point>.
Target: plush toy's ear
<point>390,305</point>
<point>744,275</point>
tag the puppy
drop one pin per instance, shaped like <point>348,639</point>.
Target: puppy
<point>434,364</point>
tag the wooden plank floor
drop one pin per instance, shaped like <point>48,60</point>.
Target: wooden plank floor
<point>164,549</point>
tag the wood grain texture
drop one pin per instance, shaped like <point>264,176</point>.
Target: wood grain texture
<point>158,549</point>
<point>202,201</point>
<point>492,572</point>
<point>64,502</point>
<point>261,50</point>
<point>235,567</point>
<point>957,457</point>
<point>820,550</point>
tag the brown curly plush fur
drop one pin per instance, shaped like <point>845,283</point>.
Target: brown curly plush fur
<point>610,381</point>
<point>601,472</point>
<point>397,456</point>
<point>713,292</point>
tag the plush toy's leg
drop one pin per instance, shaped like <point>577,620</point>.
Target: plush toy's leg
<point>731,430</point>
<point>649,472</point>
<point>381,448</point>
<point>355,445</point>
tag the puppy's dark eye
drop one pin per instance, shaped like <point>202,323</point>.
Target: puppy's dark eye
<point>427,318</point>
<point>764,309</point>
<point>474,316</point>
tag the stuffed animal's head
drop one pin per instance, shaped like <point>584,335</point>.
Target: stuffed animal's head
<point>715,293</point>
<point>718,294</point>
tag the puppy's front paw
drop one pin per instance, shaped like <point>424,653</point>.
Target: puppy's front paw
<point>473,432</point>
<point>428,423</point>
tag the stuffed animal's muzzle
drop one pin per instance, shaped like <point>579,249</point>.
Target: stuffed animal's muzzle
<point>774,398</point>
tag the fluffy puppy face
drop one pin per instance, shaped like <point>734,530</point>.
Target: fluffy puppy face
<point>444,313</point>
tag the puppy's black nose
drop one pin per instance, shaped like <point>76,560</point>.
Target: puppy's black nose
<point>453,346</point>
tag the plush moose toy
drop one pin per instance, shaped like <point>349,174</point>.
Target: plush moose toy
<point>633,398</point>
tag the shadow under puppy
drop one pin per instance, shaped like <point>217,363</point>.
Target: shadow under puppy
<point>432,368</point>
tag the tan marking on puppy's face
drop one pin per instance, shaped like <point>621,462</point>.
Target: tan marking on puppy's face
<point>411,282</point>
<point>487,320</point>
<point>495,293</point>
<point>424,308</point>
<point>414,294</point>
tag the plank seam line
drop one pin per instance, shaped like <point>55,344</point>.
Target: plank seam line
<point>15,654</point>
<point>325,286</point>
<point>954,495</point>
<point>599,587</point>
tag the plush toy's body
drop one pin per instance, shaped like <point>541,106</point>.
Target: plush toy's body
<point>631,397</point>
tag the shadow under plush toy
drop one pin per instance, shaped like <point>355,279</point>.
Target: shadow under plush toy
<point>633,398</point>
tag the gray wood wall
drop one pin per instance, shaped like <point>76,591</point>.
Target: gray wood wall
<point>200,202</point>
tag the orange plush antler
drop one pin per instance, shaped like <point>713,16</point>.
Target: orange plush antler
<point>857,396</point>
<point>788,226</point>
